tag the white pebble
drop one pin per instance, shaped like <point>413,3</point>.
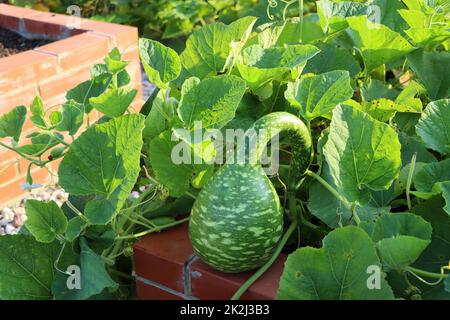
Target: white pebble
<point>10,229</point>
<point>8,214</point>
<point>19,220</point>
<point>19,211</point>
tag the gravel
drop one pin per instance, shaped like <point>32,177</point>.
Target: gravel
<point>147,86</point>
<point>12,218</point>
<point>12,43</point>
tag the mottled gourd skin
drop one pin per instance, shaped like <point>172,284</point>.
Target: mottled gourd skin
<point>236,220</point>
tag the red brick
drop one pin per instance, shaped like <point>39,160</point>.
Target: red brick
<point>25,75</point>
<point>209,284</point>
<point>161,257</point>
<point>79,50</point>
<point>48,24</point>
<point>60,84</point>
<point>148,292</point>
<point>6,154</point>
<point>10,15</point>
<point>22,96</point>
<point>8,171</point>
<point>134,69</point>
<point>12,189</point>
<point>54,103</point>
<point>124,36</point>
<point>26,67</point>
<point>131,53</point>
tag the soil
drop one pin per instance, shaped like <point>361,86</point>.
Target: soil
<point>12,43</point>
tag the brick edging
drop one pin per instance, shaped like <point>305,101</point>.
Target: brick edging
<point>51,70</point>
<point>166,268</point>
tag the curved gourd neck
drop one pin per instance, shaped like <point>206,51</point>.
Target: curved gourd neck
<point>277,123</point>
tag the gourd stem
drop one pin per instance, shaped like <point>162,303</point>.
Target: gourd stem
<point>265,129</point>
<point>247,284</point>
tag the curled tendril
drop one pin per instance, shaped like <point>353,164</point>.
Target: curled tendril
<point>442,277</point>
<point>271,4</point>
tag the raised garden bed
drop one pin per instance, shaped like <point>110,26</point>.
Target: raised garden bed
<point>12,43</point>
<point>357,195</point>
<point>62,51</point>
<point>167,268</point>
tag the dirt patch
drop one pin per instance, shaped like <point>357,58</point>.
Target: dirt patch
<point>12,43</point>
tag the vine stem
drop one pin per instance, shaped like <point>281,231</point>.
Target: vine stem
<point>39,163</point>
<point>300,9</point>
<point>334,192</point>
<point>431,275</point>
<point>137,235</point>
<point>410,177</point>
<point>247,284</point>
<point>61,140</point>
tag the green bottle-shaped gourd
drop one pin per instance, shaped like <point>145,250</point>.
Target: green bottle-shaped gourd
<point>237,219</point>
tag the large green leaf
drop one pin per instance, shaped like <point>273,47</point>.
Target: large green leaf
<point>160,113</point>
<point>93,276</point>
<point>26,267</point>
<point>412,145</point>
<point>434,126</point>
<point>259,65</point>
<point>386,12</point>
<point>377,89</point>
<point>332,14</point>
<point>72,117</point>
<point>437,254</point>
<point>88,89</point>
<point>400,239</point>
<point>322,203</point>
<point>114,102</point>
<point>161,64</point>
<point>12,122</point>
<point>445,188</point>
<point>45,220</point>
<point>305,30</point>
<point>74,227</point>
<point>433,69</point>
<point>339,270</point>
<point>104,161</point>
<point>377,43</point>
<point>331,58</point>
<point>317,96</point>
<point>208,48</point>
<point>174,176</point>
<point>429,176</point>
<point>384,109</point>
<point>325,206</point>
<point>213,101</point>
<point>363,154</point>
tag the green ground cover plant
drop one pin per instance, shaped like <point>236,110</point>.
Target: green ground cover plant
<point>167,20</point>
<point>361,200</point>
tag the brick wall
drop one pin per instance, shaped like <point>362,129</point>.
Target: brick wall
<point>51,70</point>
<point>167,269</point>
